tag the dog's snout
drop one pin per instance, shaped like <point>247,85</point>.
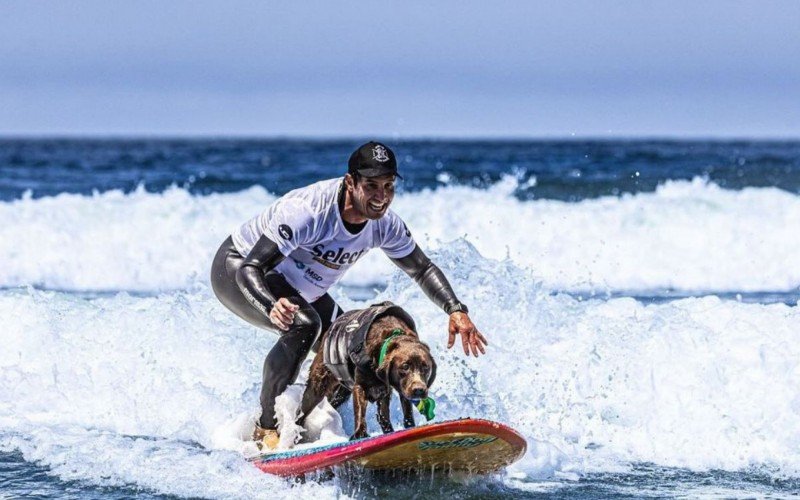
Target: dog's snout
<point>419,393</point>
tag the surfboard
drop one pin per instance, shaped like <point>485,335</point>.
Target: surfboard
<point>469,445</point>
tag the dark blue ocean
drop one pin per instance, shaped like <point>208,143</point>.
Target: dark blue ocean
<point>640,298</point>
<point>564,170</point>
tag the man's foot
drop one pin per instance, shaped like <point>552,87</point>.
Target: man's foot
<point>266,439</point>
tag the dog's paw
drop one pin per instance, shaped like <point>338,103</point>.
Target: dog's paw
<point>358,435</point>
<point>409,424</point>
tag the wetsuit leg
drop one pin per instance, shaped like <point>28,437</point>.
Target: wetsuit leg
<point>328,310</point>
<point>284,360</point>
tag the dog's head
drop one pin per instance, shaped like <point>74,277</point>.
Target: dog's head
<point>408,367</point>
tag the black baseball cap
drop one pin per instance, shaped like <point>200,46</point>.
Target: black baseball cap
<point>372,159</point>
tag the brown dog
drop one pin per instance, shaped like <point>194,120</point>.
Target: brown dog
<point>348,362</point>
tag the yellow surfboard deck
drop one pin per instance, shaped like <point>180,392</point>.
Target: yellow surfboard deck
<point>468,445</point>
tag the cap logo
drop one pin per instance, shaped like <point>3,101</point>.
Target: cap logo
<point>380,154</point>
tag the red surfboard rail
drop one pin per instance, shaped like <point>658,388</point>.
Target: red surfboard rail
<point>295,462</point>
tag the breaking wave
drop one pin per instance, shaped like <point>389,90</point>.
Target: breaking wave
<point>692,236</point>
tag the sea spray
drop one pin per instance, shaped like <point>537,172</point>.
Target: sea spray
<point>139,390</point>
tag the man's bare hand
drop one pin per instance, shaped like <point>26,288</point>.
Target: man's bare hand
<point>471,338</point>
<point>282,313</point>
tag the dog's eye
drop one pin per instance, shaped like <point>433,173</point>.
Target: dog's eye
<point>405,366</point>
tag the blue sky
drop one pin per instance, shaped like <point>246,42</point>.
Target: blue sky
<point>401,69</point>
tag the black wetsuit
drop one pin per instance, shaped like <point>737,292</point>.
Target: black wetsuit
<point>250,287</point>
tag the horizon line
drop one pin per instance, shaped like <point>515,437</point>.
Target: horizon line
<point>405,137</point>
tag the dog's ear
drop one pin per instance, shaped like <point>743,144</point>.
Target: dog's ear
<point>432,376</point>
<point>384,370</point>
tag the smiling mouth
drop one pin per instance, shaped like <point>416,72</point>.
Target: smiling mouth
<point>377,207</point>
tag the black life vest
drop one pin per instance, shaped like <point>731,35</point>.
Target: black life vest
<point>343,348</point>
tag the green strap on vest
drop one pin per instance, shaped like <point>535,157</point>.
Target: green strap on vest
<point>385,345</point>
<point>426,406</point>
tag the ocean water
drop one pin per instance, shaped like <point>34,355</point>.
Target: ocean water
<point>640,299</point>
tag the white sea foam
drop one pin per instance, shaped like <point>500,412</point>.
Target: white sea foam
<point>152,391</point>
<point>690,236</point>
<point>138,241</point>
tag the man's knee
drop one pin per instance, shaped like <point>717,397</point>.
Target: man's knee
<point>307,324</point>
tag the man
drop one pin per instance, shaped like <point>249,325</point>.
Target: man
<point>275,270</point>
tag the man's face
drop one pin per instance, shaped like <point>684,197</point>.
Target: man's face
<point>373,195</point>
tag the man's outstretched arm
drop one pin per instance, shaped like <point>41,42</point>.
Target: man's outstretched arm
<point>435,285</point>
